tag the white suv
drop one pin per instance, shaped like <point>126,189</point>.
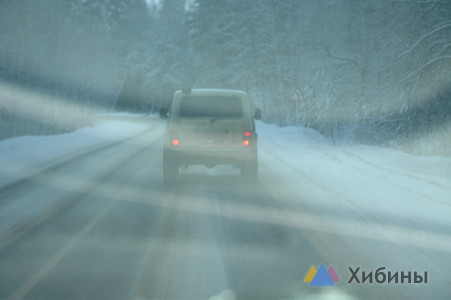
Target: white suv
<point>210,127</point>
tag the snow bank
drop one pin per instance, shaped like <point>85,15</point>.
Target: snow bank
<point>374,184</point>
<point>20,156</point>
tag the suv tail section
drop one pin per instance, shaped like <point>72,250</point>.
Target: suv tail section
<point>210,127</point>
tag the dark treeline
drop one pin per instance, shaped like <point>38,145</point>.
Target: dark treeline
<point>361,65</point>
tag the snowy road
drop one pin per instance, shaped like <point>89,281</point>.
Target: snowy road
<point>103,226</point>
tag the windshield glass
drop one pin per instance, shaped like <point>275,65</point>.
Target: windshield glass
<point>211,107</point>
<point>225,149</point>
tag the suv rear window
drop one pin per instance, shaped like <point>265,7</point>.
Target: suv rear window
<point>211,106</point>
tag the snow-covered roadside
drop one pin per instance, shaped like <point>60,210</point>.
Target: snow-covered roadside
<point>368,181</point>
<point>374,184</point>
<point>363,206</point>
<point>24,155</point>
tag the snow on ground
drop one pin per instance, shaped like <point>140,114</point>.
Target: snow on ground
<point>397,196</point>
<point>21,156</point>
<point>363,206</point>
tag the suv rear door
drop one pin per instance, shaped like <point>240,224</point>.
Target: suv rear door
<point>211,120</point>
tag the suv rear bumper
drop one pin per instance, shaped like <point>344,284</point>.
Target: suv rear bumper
<point>211,157</point>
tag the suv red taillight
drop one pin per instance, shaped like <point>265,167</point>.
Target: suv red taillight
<point>246,138</point>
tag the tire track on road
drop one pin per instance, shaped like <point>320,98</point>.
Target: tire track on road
<point>26,226</point>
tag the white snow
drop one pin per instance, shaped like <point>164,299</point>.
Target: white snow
<point>362,205</point>
<point>367,183</point>
<point>24,155</point>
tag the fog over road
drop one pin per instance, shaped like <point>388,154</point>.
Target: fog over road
<point>114,231</point>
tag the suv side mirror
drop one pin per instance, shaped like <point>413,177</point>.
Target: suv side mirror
<point>163,113</point>
<point>258,114</point>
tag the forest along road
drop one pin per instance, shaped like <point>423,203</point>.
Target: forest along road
<point>122,234</point>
